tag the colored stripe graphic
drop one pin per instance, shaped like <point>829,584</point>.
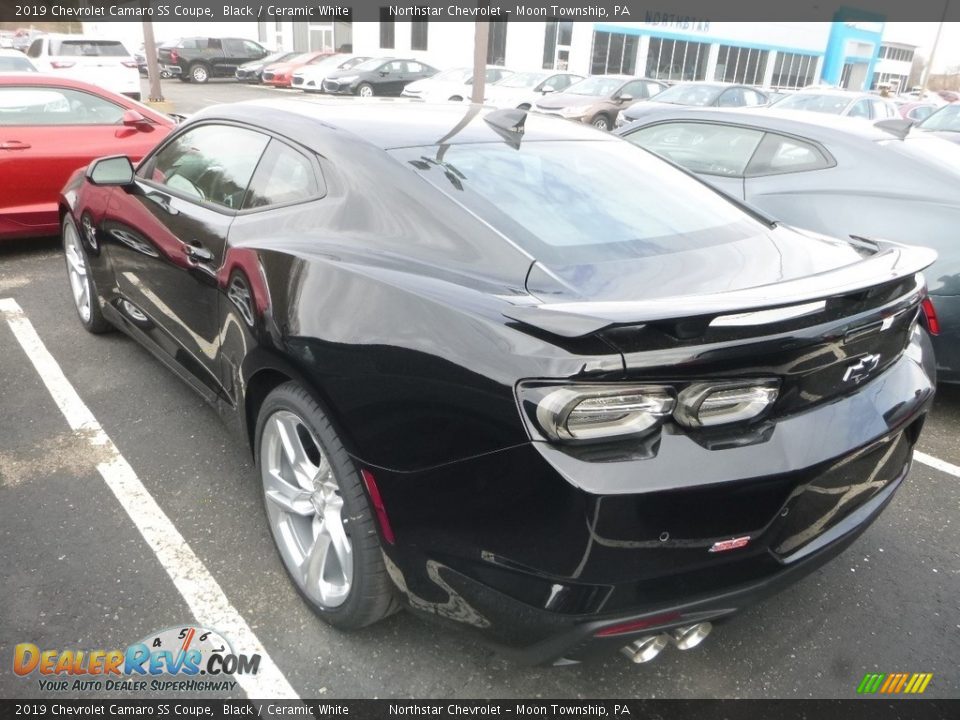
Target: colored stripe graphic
<point>871,682</point>
<point>894,683</point>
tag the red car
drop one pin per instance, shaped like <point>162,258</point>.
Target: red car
<point>281,74</point>
<point>49,127</point>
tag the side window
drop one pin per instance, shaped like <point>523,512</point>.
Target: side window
<point>557,82</point>
<point>283,176</point>
<point>494,75</point>
<point>414,67</point>
<point>214,44</point>
<point>731,98</point>
<point>861,109</point>
<point>636,89</point>
<point>708,148</point>
<point>752,98</point>
<point>778,155</point>
<point>233,47</point>
<point>653,89</point>
<point>881,110</point>
<point>189,44</point>
<point>55,106</point>
<point>252,49</point>
<point>920,113</point>
<point>211,163</point>
<point>36,47</point>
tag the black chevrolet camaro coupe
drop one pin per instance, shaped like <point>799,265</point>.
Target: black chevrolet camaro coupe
<point>508,370</point>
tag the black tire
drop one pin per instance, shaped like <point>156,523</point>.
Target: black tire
<point>602,122</point>
<point>365,88</point>
<point>199,72</point>
<point>183,78</point>
<point>93,320</point>
<point>372,595</point>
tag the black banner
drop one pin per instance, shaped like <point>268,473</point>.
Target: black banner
<point>854,709</point>
<point>675,13</point>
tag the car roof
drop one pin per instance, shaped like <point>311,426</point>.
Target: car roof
<point>390,124</point>
<point>839,93</point>
<point>797,122</point>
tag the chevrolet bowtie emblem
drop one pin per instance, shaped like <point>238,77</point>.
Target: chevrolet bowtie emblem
<point>861,369</point>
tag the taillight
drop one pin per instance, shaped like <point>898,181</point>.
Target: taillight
<point>578,412</point>
<point>174,56</point>
<point>930,320</point>
<point>60,64</point>
<point>129,63</point>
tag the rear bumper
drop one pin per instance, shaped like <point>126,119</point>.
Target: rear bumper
<point>537,555</point>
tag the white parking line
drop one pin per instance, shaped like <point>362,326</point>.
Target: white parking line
<point>199,589</point>
<point>937,463</point>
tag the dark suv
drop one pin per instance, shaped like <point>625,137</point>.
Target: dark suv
<point>198,59</point>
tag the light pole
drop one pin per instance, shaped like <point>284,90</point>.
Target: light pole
<point>153,66</point>
<point>933,51</point>
<point>480,36</point>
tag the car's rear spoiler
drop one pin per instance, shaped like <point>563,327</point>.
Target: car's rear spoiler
<point>888,262</point>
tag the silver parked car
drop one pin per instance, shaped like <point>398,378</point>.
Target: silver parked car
<point>831,175</point>
<point>839,102</point>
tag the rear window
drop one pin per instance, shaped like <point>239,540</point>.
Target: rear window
<point>829,104</point>
<point>16,64</point>
<point>582,201</point>
<point>89,48</point>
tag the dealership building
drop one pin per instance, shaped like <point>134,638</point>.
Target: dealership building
<point>851,53</point>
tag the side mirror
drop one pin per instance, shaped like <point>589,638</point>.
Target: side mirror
<point>625,98</point>
<point>546,89</point>
<point>384,73</point>
<point>111,171</point>
<point>132,118</point>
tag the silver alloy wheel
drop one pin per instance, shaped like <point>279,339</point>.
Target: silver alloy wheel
<point>366,91</point>
<point>305,509</point>
<point>77,270</point>
<point>601,123</point>
<point>199,73</point>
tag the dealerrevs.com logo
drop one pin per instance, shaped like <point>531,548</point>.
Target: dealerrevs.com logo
<point>170,660</point>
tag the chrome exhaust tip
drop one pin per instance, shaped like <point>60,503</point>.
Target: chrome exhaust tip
<point>646,648</point>
<point>690,636</point>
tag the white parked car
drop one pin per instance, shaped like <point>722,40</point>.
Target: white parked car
<point>455,85</point>
<point>15,61</point>
<point>523,89</point>
<point>309,78</point>
<point>101,62</point>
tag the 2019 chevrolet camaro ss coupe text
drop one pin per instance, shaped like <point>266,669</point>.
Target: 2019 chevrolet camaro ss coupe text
<point>511,371</point>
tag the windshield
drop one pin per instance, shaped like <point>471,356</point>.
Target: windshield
<point>92,48</point>
<point>522,80</point>
<point>276,57</point>
<point>813,102</point>
<point>573,202</point>
<point>596,86</point>
<point>16,64</point>
<point>369,65</point>
<point>690,94</point>
<point>947,118</point>
<point>459,75</point>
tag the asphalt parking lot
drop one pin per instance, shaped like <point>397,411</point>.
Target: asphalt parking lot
<point>79,574</point>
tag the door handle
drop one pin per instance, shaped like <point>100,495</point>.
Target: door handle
<point>198,253</point>
<point>14,145</point>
